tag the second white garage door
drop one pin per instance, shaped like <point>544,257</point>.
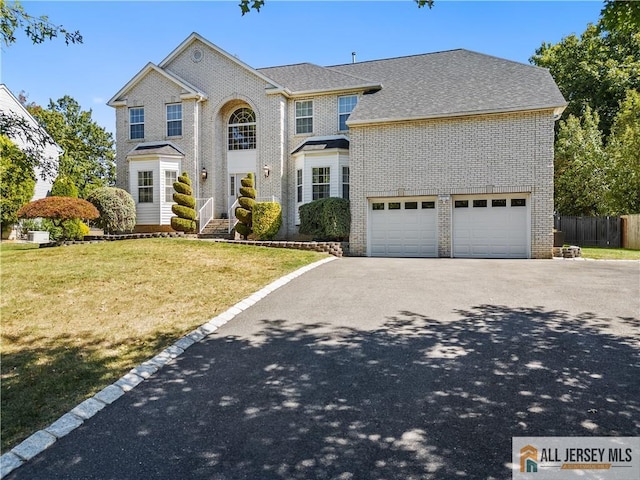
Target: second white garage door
<point>491,226</point>
<point>403,227</point>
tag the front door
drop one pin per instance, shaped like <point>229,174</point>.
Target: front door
<point>234,187</point>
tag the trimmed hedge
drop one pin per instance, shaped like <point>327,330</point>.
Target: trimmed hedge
<point>185,219</point>
<point>326,219</point>
<point>267,219</point>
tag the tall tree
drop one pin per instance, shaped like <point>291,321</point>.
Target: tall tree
<point>37,29</point>
<point>621,16</point>
<point>17,183</point>
<point>580,166</point>
<point>88,149</point>
<point>595,69</point>
<point>623,152</point>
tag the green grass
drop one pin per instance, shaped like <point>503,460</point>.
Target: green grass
<point>610,253</point>
<point>76,318</point>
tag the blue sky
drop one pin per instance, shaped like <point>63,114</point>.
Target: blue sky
<point>120,37</point>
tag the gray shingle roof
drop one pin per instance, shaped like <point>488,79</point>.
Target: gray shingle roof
<point>307,77</point>
<point>451,83</point>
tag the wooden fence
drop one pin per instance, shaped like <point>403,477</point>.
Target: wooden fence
<point>631,231</point>
<point>590,231</point>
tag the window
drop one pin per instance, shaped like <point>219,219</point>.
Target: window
<point>345,182</point>
<point>299,185</point>
<point>232,185</point>
<point>394,205</point>
<point>377,206</point>
<point>304,117</point>
<point>174,120</point>
<point>320,183</point>
<point>345,107</point>
<point>242,130</point>
<point>499,203</point>
<point>428,204</point>
<point>136,123</point>
<point>410,205</point>
<point>461,203</point>
<point>518,202</point>
<point>479,203</point>
<point>170,177</point>
<point>145,187</point>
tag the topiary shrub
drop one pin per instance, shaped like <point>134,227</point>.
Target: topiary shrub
<point>117,209</point>
<point>267,219</point>
<point>326,219</point>
<point>185,219</point>
<point>247,201</point>
<point>64,186</point>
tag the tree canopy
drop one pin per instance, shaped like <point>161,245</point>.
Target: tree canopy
<point>88,149</point>
<point>59,209</point>
<point>37,29</point>
<point>247,5</point>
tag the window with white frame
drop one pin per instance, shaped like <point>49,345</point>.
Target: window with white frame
<point>174,120</point>
<point>170,177</point>
<point>242,130</point>
<point>345,182</point>
<point>145,186</point>
<point>304,117</point>
<point>320,182</point>
<point>346,105</point>
<point>299,185</point>
<point>136,123</point>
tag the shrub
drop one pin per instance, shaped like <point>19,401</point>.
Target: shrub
<point>326,219</point>
<point>244,211</point>
<point>117,209</point>
<point>185,212</point>
<point>17,183</point>
<point>63,186</point>
<point>267,219</point>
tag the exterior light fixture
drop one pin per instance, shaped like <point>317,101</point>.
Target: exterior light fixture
<point>203,173</point>
<point>266,170</point>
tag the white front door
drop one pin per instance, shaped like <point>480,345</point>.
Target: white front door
<point>234,187</point>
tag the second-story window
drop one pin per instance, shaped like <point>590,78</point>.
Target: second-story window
<point>304,117</point>
<point>136,123</point>
<point>346,105</point>
<point>174,120</point>
<point>242,130</point>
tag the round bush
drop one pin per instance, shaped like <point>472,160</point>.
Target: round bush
<point>116,207</point>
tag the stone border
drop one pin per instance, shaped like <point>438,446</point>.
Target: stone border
<point>43,439</point>
<point>337,249</point>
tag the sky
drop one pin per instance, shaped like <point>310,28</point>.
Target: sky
<point>121,37</point>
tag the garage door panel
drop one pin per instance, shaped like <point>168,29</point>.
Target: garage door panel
<point>493,230</point>
<point>403,232</point>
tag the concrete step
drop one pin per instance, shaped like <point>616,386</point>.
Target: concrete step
<point>217,228</point>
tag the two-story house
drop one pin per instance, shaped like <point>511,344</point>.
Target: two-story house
<point>447,154</point>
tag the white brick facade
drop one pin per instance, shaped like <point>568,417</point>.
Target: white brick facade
<point>453,154</point>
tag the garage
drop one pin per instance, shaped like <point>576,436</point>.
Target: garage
<point>491,226</point>
<point>403,227</point>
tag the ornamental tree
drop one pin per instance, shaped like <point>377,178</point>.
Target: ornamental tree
<point>65,213</point>
<point>247,201</point>
<point>185,207</point>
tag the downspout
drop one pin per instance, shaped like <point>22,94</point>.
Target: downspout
<point>196,143</point>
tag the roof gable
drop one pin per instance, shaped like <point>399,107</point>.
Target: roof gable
<point>188,90</point>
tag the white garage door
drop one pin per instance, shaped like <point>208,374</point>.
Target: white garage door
<point>403,227</point>
<point>491,226</point>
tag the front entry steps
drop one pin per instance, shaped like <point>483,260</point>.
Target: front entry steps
<point>217,228</point>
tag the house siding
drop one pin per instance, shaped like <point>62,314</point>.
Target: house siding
<point>510,153</point>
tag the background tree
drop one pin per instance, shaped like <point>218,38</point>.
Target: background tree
<point>37,29</point>
<point>17,183</point>
<point>88,149</point>
<point>247,5</point>
<point>580,166</point>
<point>247,201</point>
<point>623,152</point>
<point>185,207</point>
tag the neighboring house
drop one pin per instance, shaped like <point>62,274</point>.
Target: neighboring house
<point>10,105</point>
<point>447,154</point>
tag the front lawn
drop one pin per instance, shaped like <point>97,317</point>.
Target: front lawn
<point>76,318</point>
<point>610,253</point>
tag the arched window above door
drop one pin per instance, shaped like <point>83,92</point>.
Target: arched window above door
<point>242,129</point>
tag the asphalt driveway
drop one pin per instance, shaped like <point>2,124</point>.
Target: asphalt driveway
<point>381,369</point>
